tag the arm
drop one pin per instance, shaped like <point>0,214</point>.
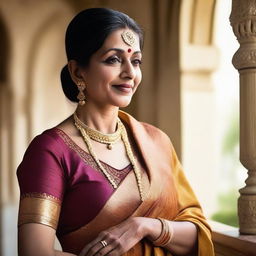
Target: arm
<point>37,239</point>
<point>123,237</point>
<point>42,184</point>
<point>184,235</point>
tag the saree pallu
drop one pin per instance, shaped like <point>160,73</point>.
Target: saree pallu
<point>168,195</point>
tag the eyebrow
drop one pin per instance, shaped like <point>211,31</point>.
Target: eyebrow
<point>118,50</point>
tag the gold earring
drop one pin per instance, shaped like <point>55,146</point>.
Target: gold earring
<point>81,97</point>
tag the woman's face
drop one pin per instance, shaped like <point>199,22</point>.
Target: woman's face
<point>113,73</point>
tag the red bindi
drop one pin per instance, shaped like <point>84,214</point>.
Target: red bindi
<point>129,50</point>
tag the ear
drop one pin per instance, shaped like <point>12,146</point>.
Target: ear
<point>75,71</point>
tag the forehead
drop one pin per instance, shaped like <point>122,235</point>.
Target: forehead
<point>115,40</point>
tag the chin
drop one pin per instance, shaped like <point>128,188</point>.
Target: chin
<point>124,102</point>
<point>124,105</point>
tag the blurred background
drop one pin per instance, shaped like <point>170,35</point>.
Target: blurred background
<point>189,90</point>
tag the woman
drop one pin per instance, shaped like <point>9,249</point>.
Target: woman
<point>103,182</point>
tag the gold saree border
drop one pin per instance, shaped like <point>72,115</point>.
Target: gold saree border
<point>117,174</point>
<point>39,208</point>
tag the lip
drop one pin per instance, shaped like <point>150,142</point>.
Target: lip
<point>127,88</point>
<point>123,85</point>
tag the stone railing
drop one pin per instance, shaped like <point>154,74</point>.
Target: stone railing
<point>229,242</point>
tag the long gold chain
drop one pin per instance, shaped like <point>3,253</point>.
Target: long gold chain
<point>132,160</point>
<point>89,146</point>
<point>98,136</point>
<point>129,153</point>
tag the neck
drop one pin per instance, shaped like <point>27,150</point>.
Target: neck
<point>103,120</point>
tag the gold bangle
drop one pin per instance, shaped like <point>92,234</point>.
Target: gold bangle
<point>159,240</point>
<point>171,231</point>
<point>161,233</point>
<point>165,235</point>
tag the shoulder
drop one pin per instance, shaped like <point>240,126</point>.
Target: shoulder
<point>144,129</point>
<point>153,130</point>
<point>44,150</point>
<point>41,169</point>
<point>47,142</point>
<point>151,140</point>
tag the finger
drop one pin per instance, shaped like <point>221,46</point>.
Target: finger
<point>113,253</point>
<point>96,249</point>
<point>109,245</point>
<point>115,247</point>
<point>93,243</point>
<point>109,249</point>
<point>109,235</point>
<point>127,241</point>
<point>102,248</point>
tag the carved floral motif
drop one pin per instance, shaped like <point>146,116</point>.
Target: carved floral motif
<point>247,214</point>
<point>243,10</point>
<point>245,58</point>
<point>243,19</point>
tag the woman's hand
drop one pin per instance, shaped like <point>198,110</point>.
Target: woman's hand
<point>118,239</point>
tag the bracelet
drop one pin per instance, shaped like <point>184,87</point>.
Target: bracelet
<point>171,231</point>
<point>166,234</point>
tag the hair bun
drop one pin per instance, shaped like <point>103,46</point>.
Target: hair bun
<point>69,87</point>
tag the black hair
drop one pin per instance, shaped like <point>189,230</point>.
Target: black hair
<point>86,33</point>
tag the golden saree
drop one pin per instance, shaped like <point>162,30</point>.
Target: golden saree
<point>167,195</point>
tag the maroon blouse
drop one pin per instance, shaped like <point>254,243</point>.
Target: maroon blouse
<point>56,169</point>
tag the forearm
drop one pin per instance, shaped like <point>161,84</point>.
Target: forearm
<point>59,253</point>
<point>46,253</point>
<point>184,237</point>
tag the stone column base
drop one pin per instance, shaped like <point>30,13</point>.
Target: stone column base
<point>247,214</point>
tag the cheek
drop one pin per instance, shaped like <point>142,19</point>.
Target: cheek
<point>107,74</point>
<point>138,77</point>
<point>99,80</point>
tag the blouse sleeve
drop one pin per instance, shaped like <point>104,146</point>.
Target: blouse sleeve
<point>42,182</point>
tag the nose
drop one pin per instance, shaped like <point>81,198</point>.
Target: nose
<point>128,70</point>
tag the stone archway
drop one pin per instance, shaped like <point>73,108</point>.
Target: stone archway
<point>199,59</point>
<point>45,60</point>
<point>5,117</point>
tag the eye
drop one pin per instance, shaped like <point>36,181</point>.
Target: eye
<point>113,60</point>
<point>136,62</point>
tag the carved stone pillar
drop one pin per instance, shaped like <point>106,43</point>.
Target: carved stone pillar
<point>243,21</point>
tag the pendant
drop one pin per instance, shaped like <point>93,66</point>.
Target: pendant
<point>109,146</point>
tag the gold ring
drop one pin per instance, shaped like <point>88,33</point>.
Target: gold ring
<point>104,243</point>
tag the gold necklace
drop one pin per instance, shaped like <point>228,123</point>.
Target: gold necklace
<point>109,139</point>
<point>131,157</point>
<point>129,153</point>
